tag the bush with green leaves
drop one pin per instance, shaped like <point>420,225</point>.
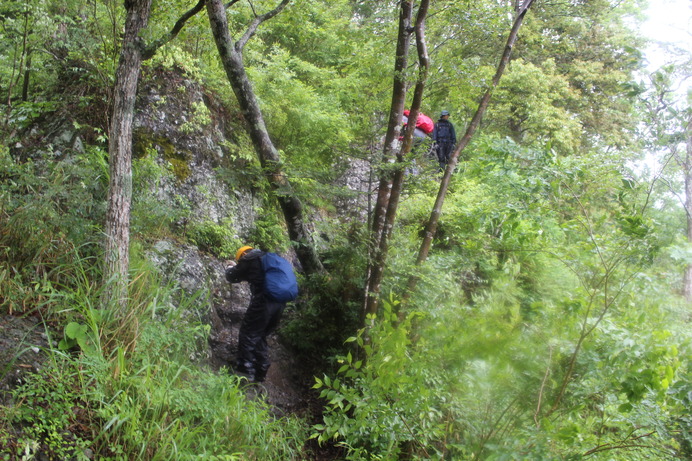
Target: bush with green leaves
<point>159,405</point>
<point>49,211</point>
<point>217,239</point>
<point>328,309</point>
<point>268,231</point>
<point>50,414</point>
<point>385,402</point>
<point>475,383</point>
<point>151,216</point>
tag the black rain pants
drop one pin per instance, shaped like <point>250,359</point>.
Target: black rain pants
<point>260,320</point>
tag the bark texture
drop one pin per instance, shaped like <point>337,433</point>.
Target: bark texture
<point>395,114</point>
<point>231,56</point>
<point>687,166</point>
<point>117,227</point>
<point>379,260</point>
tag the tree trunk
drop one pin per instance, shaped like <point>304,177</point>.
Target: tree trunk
<point>431,227</point>
<point>395,113</point>
<point>379,262</point>
<point>120,154</point>
<point>27,78</point>
<point>232,60</point>
<point>687,166</point>
<point>384,188</point>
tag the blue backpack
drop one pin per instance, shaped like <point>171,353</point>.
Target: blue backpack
<point>280,284</point>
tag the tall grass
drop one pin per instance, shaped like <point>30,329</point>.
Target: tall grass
<point>134,387</point>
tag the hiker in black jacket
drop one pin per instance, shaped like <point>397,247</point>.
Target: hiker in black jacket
<point>261,318</point>
<point>445,139</point>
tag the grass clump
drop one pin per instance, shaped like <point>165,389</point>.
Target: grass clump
<point>141,390</point>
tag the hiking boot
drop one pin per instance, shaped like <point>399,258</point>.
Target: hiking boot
<point>245,372</point>
<point>260,376</point>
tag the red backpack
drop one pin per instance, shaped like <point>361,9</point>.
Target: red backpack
<point>424,122</point>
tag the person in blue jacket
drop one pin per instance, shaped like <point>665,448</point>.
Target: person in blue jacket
<point>445,139</point>
<point>261,318</point>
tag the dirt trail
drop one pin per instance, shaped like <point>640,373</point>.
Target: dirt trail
<point>22,341</point>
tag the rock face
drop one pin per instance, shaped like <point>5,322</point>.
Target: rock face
<point>189,134</point>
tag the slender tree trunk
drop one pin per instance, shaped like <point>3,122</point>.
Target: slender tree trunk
<point>687,164</point>
<point>431,227</point>
<point>384,189</point>
<point>27,78</point>
<point>379,262</point>
<point>395,113</point>
<point>232,60</point>
<point>117,227</point>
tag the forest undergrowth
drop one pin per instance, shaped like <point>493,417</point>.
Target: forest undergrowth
<point>549,319</point>
<point>570,350</point>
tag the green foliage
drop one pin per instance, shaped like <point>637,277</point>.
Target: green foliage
<point>217,239</point>
<point>389,408</point>
<point>316,330</point>
<point>328,309</point>
<point>533,113</point>
<point>472,371</point>
<point>173,57</point>
<point>150,215</point>
<point>142,393</point>
<point>462,68</point>
<point>76,334</point>
<point>268,231</point>
<point>149,407</point>
<point>301,112</point>
<point>534,321</point>
<point>49,406</point>
<point>51,50</point>
<point>47,222</point>
<point>596,49</point>
<point>550,330</point>
<point>26,113</point>
<point>201,118</point>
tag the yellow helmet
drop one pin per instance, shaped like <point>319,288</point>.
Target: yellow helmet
<point>241,251</point>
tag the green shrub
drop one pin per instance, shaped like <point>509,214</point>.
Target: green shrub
<point>151,216</point>
<point>47,224</point>
<point>51,414</point>
<point>388,403</point>
<point>217,239</point>
<point>328,309</point>
<point>138,387</point>
<point>269,231</point>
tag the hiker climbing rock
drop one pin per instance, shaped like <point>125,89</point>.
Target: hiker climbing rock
<point>421,135</point>
<point>445,138</point>
<point>424,124</point>
<point>272,284</point>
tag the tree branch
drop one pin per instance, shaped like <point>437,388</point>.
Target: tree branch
<point>149,51</point>
<point>540,392</point>
<point>624,443</point>
<point>252,28</point>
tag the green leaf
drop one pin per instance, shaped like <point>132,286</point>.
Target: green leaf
<point>75,330</point>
